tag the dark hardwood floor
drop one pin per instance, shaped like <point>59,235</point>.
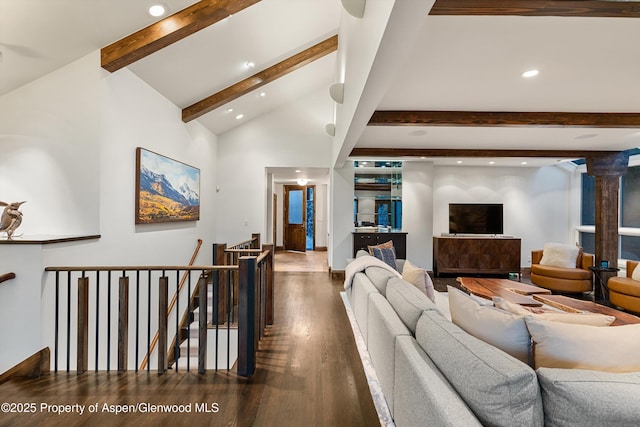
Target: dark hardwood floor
<point>309,374</point>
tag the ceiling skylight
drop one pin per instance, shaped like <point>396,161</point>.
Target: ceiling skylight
<point>530,73</point>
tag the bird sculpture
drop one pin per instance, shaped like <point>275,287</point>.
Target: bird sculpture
<point>11,218</point>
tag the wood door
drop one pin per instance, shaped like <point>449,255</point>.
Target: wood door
<point>295,218</point>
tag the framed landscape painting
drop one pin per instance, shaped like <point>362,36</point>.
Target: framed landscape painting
<point>166,190</point>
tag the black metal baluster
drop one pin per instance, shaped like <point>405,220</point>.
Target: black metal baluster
<point>230,305</point>
<point>137,317</point>
<point>108,320</point>
<point>148,320</point>
<point>57,323</point>
<point>68,319</point>
<point>97,315</point>
<point>176,351</point>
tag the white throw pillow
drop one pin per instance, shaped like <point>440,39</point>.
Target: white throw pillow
<point>419,278</point>
<point>585,318</point>
<point>635,274</point>
<point>598,348</point>
<point>560,255</point>
<point>499,328</point>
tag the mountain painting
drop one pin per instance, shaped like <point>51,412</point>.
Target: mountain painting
<point>166,190</point>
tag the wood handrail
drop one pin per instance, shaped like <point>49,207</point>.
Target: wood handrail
<point>251,251</point>
<point>144,268</point>
<point>172,304</point>
<point>7,276</point>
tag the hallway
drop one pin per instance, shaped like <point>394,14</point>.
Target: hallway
<point>310,261</point>
<point>309,374</point>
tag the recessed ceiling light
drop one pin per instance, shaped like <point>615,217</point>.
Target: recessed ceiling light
<point>228,110</point>
<point>523,163</point>
<point>298,171</point>
<point>262,94</point>
<point>423,158</point>
<point>157,10</point>
<point>250,64</point>
<point>239,116</point>
<point>530,73</point>
<point>492,162</point>
<point>459,162</point>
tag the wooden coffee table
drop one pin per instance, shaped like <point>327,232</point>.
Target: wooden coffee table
<point>575,305</point>
<point>534,296</point>
<point>515,292</point>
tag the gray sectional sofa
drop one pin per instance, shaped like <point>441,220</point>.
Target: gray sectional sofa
<point>434,373</point>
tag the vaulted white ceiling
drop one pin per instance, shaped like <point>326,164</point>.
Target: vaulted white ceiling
<point>460,63</point>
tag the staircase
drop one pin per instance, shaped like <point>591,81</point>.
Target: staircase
<point>223,339</point>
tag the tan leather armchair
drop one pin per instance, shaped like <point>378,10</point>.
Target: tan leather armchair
<point>624,292</point>
<point>559,279</point>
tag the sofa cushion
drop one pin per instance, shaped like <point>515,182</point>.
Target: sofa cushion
<point>584,318</point>
<point>499,389</point>
<point>589,398</point>
<point>379,277</point>
<point>599,348</point>
<point>407,301</point>
<point>504,330</point>
<point>381,344</point>
<point>561,272</point>
<point>419,278</point>
<point>423,397</point>
<point>560,255</point>
<point>359,300</point>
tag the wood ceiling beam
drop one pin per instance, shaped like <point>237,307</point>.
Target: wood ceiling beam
<point>168,30</point>
<point>260,79</point>
<point>575,8</point>
<point>505,119</point>
<point>425,152</point>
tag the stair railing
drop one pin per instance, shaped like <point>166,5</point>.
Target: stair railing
<point>170,309</point>
<point>133,290</point>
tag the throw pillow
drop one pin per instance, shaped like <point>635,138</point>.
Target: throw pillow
<point>635,274</point>
<point>585,318</point>
<point>559,255</point>
<point>565,345</point>
<point>384,245</point>
<point>499,328</point>
<point>388,255</point>
<point>419,278</point>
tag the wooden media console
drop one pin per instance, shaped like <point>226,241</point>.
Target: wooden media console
<point>476,255</point>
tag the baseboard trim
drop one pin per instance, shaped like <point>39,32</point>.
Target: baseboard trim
<point>336,274</point>
<point>32,367</point>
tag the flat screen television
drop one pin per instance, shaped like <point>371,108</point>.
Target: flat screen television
<point>475,218</point>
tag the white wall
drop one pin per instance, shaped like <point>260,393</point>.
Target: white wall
<point>341,217</point>
<point>292,136</point>
<point>49,145</point>
<point>417,211</point>
<point>537,206</point>
<point>68,148</point>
